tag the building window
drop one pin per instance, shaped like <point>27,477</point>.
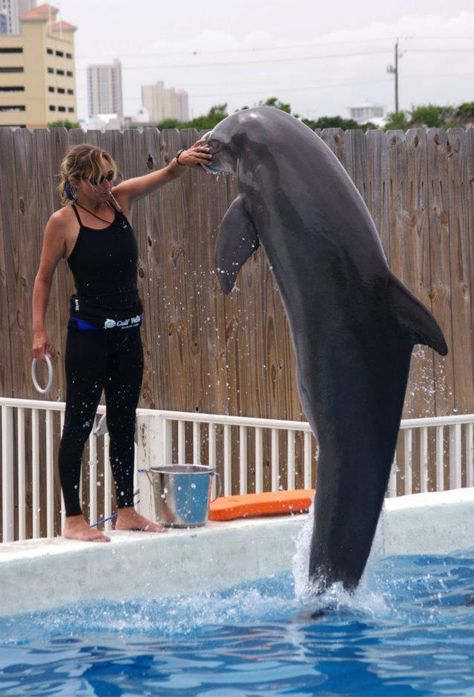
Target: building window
<point>61,108</point>
<point>61,90</point>
<point>70,91</point>
<point>71,109</point>
<point>50,89</point>
<point>49,51</point>
<point>69,73</point>
<point>52,108</point>
<point>11,49</point>
<point>13,107</point>
<point>50,70</point>
<point>4,69</point>
<point>59,72</point>
<point>17,88</point>
<point>68,55</point>
<point>60,54</point>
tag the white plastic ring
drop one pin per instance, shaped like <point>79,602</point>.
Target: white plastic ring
<point>42,390</point>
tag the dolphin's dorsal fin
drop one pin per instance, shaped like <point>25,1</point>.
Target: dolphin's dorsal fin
<point>414,317</point>
<point>236,242</point>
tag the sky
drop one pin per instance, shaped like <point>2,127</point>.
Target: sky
<point>320,57</point>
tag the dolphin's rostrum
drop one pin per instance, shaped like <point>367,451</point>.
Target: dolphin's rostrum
<point>353,323</point>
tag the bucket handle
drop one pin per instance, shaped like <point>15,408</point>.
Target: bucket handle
<point>213,473</point>
<point>218,487</point>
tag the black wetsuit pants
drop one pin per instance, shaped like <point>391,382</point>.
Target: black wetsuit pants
<point>109,360</point>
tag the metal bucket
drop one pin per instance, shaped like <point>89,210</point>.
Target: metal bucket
<point>181,494</point>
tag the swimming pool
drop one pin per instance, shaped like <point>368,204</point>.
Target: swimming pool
<point>409,630</point>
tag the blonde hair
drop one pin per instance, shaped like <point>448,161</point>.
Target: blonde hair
<point>82,162</point>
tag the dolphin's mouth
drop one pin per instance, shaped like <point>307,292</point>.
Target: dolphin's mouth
<point>210,169</point>
<point>220,156</point>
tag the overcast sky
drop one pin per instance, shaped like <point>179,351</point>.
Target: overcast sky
<point>321,57</point>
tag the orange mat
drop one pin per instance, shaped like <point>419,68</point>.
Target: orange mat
<point>268,503</point>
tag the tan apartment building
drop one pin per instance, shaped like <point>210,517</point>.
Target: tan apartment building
<point>165,102</point>
<point>37,71</point>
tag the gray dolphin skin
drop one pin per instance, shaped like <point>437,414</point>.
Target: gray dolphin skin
<point>353,323</point>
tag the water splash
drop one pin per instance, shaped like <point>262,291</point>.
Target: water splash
<point>335,600</point>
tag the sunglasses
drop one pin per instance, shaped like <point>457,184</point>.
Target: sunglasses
<point>109,177</point>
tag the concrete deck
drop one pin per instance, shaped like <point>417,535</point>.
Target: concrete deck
<point>42,574</point>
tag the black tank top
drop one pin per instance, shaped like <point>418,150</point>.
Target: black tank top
<point>104,266</point>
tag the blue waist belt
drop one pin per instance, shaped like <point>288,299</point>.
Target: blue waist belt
<point>127,323</point>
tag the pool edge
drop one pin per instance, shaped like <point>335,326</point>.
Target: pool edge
<point>42,574</point>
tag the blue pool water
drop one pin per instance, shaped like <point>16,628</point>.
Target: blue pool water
<point>409,630</point>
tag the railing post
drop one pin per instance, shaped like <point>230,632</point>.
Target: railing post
<point>275,448</point>
<point>181,442</point>
<point>243,465</point>
<point>92,478</point>
<point>440,458</point>
<point>49,476</point>
<point>212,453</point>
<point>227,461</point>
<point>308,479</point>
<point>150,453</point>
<point>21,474</point>
<point>469,455</point>
<point>455,464</point>
<point>392,482</point>
<point>290,459</point>
<point>196,443</point>
<point>8,504</point>
<point>258,461</point>
<point>424,460</point>
<point>408,474</point>
<point>35,498</point>
<point>107,483</point>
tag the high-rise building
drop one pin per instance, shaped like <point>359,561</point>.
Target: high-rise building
<point>12,11</point>
<point>37,74</point>
<point>165,102</point>
<point>3,22</point>
<point>104,89</point>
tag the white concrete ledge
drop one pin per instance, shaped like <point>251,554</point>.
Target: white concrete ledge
<point>42,574</point>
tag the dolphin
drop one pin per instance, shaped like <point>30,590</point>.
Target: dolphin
<point>353,323</point>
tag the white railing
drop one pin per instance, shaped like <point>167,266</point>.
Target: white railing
<point>260,454</point>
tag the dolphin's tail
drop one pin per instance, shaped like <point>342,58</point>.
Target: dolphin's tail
<point>415,318</point>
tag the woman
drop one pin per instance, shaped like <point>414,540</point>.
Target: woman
<point>103,351</point>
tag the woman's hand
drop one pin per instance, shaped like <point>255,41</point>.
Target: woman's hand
<point>40,344</point>
<point>197,154</point>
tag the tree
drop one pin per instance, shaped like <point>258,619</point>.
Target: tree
<point>431,116</point>
<point>332,122</point>
<point>396,120</point>
<point>274,101</point>
<point>170,123</point>
<point>206,123</point>
<point>63,123</point>
<point>464,114</point>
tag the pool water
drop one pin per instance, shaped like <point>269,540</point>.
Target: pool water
<point>408,630</point>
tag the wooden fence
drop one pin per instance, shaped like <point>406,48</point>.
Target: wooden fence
<point>210,353</point>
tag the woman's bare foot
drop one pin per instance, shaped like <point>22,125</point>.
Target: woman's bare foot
<point>129,519</point>
<point>76,527</point>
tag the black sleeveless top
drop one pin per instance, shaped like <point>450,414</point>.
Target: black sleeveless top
<point>104,266</point>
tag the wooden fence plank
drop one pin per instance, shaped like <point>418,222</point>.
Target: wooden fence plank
<point>461,258</point>
<point>438,191</point>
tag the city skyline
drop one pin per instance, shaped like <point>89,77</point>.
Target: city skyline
<point>321,60</point>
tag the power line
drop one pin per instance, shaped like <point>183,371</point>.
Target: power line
<point>257,62</point>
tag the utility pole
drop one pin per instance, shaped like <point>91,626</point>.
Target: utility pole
<point>393,69</point>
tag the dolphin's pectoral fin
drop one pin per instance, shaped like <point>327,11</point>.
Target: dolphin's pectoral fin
<point>414,316</point>
<point>236,242</point>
